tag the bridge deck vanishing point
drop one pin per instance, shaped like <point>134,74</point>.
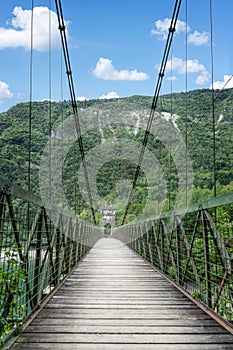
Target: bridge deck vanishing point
<point>115,300</point>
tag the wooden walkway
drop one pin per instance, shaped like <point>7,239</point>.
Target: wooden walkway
<point>114,300</point>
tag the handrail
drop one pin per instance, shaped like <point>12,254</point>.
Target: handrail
<point>206,204</point>
<point>193,247</point>
<point>34,261</point>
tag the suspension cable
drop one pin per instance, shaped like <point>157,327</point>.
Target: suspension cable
<point>183,143</point>
<point>50,99</point>
<point>155,100</point>
<point>73,99</point>
<point>171,112</point>
<point>214,98</point>
<point>30,112</point>
<point>213,104</point>
<point>207,108</point>
<point>30,99</point>
<point>186,103</point>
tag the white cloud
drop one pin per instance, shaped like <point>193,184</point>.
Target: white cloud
<point>198,39</point>
<point>227,83</point>
<point>19,34</point>
<point>5,93</point>
<point>105,70</point>
<point>203,78</point>
<point>172,78</point>
<point>180,66</point>
<point>47,100</point>
<point>82,98</point>
<point>162,27</point>
<point>111,94</point>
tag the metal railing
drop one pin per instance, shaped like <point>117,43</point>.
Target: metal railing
<point>36,254</point>
<point>193,247</point>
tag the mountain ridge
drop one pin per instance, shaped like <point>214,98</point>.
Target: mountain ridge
<point>191,113</point>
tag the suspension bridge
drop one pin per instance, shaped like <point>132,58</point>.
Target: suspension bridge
<point>162,281</point>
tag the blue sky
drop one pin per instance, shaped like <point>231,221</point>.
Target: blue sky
<point>115,48</point>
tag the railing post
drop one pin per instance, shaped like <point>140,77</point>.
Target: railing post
<point>151,242</point>
<point>76,242</point>
<point>66,248</point>
<point>178,252</point>
<point>36,280</point>
<point>57,256</point>
<point>144,238</point>
<point>148,236</point>
<point>207,260</point>
<point>161,233</point>
<point>136,245</point>
<point>2,215</point>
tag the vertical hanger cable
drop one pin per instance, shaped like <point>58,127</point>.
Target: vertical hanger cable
<point>30,113</point>
<point>213,100</point>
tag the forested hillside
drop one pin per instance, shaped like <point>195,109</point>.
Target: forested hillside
<point>123,121</point>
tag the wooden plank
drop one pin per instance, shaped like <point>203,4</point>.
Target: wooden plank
<point>121,314</point>
<point>101,346</point>
<point>126,338</point>
<point>126,322</point>
<point>124,301</point>
<point>115,301</point>
<point>71,328</point>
